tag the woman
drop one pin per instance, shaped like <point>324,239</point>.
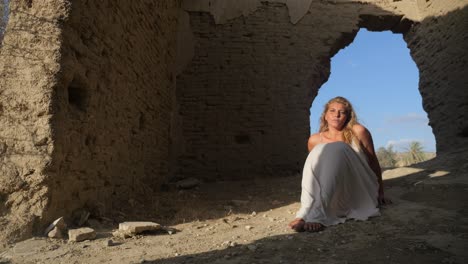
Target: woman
<point>342,178</point>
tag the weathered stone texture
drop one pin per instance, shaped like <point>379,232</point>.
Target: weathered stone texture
<point>438,44</point>
<point>245,97</point>
<point>28,61</point>
<point>85,102</point>
<point>113,104</point>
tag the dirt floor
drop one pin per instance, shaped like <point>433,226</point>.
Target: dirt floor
<point>246,222</point>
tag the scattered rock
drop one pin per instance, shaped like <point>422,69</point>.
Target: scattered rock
<point>188,183</point>
<point>81,234</point>
<point>55,233</point>
<point>133,228</point>
<point>248,227</point>
<point>109,243</point>
<point>59,225</point>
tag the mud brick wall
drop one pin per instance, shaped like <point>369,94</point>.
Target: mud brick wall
<point>114,101</point>
<point>87,94</point>
<point>28,62</point>
<point>245,96</point>
<point>438,45</point>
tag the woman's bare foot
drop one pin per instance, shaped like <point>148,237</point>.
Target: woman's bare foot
<point>313,227</point>
<point>297,225</point>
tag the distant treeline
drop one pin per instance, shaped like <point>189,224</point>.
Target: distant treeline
<point>389,158</point>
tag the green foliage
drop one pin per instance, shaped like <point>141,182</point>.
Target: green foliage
<point>387,157</point>
<point>414,154</point>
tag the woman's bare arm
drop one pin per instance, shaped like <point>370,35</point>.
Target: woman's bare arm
<point>367,145</point>
<point>313,141</point>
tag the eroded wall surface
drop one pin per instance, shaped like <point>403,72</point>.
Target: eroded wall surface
<point>438,46</point>
<point>114,101</point>
<point>256,67</point>
<point>245,96</point>
<point>29,58</point>
<point>86,101</point>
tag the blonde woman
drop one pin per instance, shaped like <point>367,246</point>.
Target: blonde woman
<point>342,178</point>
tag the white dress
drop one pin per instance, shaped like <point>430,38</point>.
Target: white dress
<point>337,184</point>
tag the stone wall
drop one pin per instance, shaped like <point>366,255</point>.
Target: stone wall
<point>113,105</point>
<point>87,101</point>
<point>245,97</point>
<point>257,65</point>
<point>438,46</point>
<point>29,58</point>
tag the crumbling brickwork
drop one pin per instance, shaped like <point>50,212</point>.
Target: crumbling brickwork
<point>438,46</point>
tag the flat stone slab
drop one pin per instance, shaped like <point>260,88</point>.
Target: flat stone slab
<point>138,227</point>
<point>81,234</point>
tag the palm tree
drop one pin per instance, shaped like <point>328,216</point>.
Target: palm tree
<point>414,153</point>
<point>386,157</point>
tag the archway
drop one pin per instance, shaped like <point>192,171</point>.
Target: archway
<point>377,74</point>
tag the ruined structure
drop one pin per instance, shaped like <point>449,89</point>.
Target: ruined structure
<point>101,102</point>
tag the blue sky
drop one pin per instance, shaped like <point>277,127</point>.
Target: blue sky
<point>377,74</point>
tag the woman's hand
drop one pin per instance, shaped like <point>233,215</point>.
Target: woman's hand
<point>382,200</point>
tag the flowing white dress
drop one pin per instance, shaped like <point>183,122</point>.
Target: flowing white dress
<point>337,184</point>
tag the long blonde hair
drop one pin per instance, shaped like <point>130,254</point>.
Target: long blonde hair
<point>351,118</point>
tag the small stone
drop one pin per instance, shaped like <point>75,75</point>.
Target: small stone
<point>109,243</point>
<point>81,234</point>
<point>233,244</point>
<point>253,213</point>
<point>59,223</point>
<point>55,233</point>
<point>248,227</point>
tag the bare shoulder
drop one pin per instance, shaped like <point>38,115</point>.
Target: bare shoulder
<point>361,131</point>
<point>314,139</point>
<point>364,137</point>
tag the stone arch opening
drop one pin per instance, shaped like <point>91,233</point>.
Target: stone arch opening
<point>377,74</point>
<point>256,81</point>
<point>256,76</point>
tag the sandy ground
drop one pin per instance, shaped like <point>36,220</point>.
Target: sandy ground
<point>246,222</point>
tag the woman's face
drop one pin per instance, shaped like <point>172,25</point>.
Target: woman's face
<point>336,116</point>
